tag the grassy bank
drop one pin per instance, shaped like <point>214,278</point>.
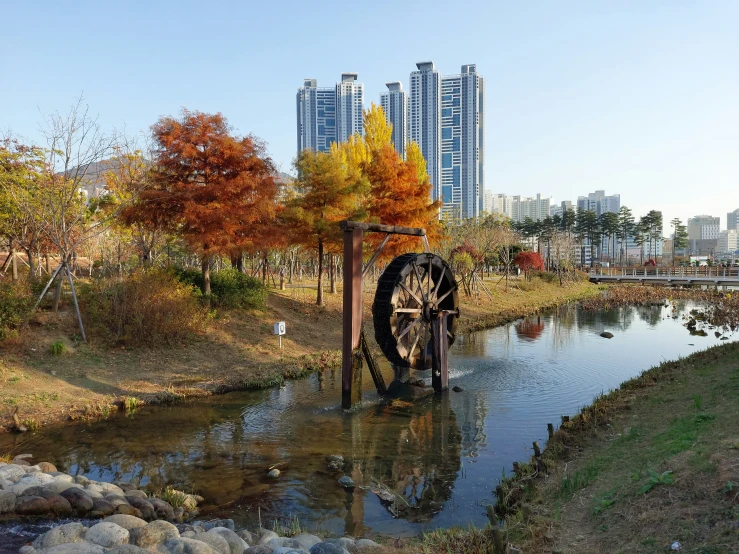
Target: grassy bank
<point>46,383</point>
<point>651,464</point>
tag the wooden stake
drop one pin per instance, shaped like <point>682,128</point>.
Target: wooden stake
<point>550,430</point>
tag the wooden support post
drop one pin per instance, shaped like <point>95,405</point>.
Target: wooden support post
<point>351,361</point>
<point>550,430</point>
<point>439,351</point>
<point>372,366</point>
<point>537,450</point>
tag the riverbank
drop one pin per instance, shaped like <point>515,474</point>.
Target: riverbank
<point>239,351</point>
<point>650,467</point>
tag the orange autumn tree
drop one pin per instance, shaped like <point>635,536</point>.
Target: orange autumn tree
<point>212,188</point>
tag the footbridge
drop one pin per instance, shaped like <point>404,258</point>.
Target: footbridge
<point>674,276</point>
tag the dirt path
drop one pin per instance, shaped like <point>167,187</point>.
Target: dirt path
<point>238,351</point>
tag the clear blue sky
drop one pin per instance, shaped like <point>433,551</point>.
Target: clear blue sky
<point>636,97</point>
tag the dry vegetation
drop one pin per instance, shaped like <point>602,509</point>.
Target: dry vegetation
<point>236,351</point>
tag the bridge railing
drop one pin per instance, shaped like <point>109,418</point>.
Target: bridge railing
<point>711,272</point>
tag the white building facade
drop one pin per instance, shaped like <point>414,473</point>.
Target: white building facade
<point>394,103</point>
<point>703,227</point>
<point>536,208</point>
<point>501,204</point>
<point>599,202</point>
<point>727,242</point>
<point>732,220</point>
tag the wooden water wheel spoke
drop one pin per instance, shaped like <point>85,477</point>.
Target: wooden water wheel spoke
<point>412,290</point>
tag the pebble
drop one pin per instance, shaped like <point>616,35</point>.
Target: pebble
<point>274,474</point>
<point>347,482</point>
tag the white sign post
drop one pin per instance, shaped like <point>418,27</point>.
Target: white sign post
<point>280,330</point>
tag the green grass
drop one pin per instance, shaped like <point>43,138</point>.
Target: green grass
<point>57,348</point>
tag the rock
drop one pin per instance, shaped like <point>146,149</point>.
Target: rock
<point>347,482</point>
<point>63,477</point>
<point>81,480</point>
<point>274,473</point>
<point>366,543</point>
<point>288,550</point>
<point>12,472</point>
<point>110,488</point>
<point>63,534</point>
<point>103,506</point>
<point>79,500</point>
<point>35,479</point>
<point>31,506</point>
<point>27,550</point>
<point>126,521</point>
<point>457,388</point>
<point>246,536</point>
<point>346,542</point>
<point>215,541</point>
<point>286,542</point>
<point>59,486</point>
<point>128,510</point>
<point>606,335</point>
<point>137,493</point>
<point>128,549</point>
<point>153,533</point>
<point>235,543</point>
<point>59,506</point>
<point>143,505</point>
<point>259,549</point>
<point>116,500</point>
<point>162,509</point>
<point>107,534</point>
<point>46,467</point>
<point>187,546</point>
<point>326,548</point>
<point>213,523</point>
<point>7,502</point>
<point>179,513</point>
<point>92,493</point>
<point>5,484</point>
<point>307,540</point>
<point>125,486</point>
<point>22,460</point>
<point>266,536</point>
<point>75,548</point>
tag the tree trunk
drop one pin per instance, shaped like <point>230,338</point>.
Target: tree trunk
<point>13,265</point>
<point>264,270</point>
<point>31,265</point>
<point>58,290</point>
<point>319,295</point>
<point>205,267</point>
<point>332,273</point>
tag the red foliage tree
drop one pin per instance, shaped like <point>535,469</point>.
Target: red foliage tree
<point>214,189</point>
<point>527,261</point>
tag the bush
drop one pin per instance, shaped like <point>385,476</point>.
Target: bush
<point>16,302</point>
<point>229,288</point>
<point>149,308</point>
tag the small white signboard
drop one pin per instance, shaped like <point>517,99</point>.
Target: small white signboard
<point>280,330</point>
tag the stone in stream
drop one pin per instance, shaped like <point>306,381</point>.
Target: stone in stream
<point>143,505</point>
<point>128,549</point>
<point>366,543</point>
<point>227,523</point>
<point>236,544</point>
<point>116,500</point>
<point>101,508</point>
<point>31,506</point>
<point>46,467</point>
<point>128,510</point>
<point>79,500</point>
<point>63,534</point>
<point>35,479</point>
<point>107,534</point>
<point>246,535</point>
<point>5,484</point>
<point>59,506</point>
<point>126,521</point>
<point>335,462</point>
<point>137,493</point>
<point>153,533</point>
<point>307,540</point>
<point>162,509</point>
<point>7,502</point>
<point>606,335</point>
<point>273,473</point>
<point>259,549</point>
<point>347,482</point>
<point>74,548</point>
<point>326,548</point>
<point>11,472</point>
<point>214,540</point>
<point>285,542</point>
<point>266,536</point>
<point>457,388</point>
<point>59,486</point>
<point>186,546</point>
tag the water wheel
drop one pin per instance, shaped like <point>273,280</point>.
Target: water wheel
<point>410,292</point>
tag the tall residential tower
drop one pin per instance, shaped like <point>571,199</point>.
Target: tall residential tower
<point>425,120</point>
<point>394,103</point>
<point>327,115</point>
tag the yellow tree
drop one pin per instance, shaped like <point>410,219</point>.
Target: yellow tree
<point>414,156</point>
<point>377,131</point>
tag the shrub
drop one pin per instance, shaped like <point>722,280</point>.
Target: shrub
<point>229,288</point>
<point>149,308</point>
<point>16,302</point>
<point>57,348</point>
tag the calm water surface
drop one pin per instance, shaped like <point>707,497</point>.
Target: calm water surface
<point>444,455</point>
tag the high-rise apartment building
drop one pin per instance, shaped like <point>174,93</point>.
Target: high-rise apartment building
<point>732,220</point>
<point>561,208</point>
<point>425,120</point>
<point>327,115</point>
<point>728,242</point>
<point>534,208</point>
<point>394,103</point>
<point>349,107</point>
<point>498,204</point>
<point>703,227</point>
<point>462,130</point>
<point>599,203</point>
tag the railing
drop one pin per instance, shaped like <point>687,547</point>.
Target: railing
<point>711,272</point>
